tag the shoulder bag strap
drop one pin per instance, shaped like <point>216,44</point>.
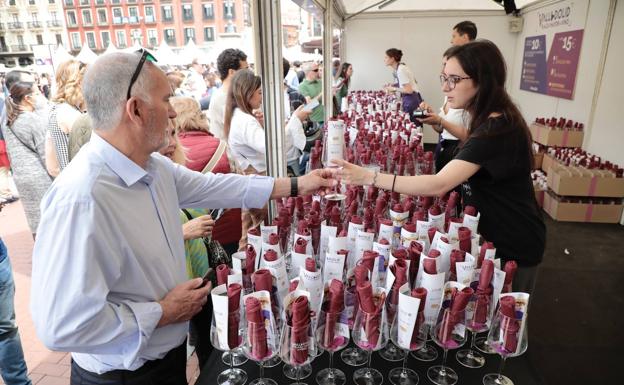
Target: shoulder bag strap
<point>215,157</point>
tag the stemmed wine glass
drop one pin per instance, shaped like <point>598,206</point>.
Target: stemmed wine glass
<point>370,333</point>
<point>391,352</point>
<point>260,345</point>
<point>353,356</point>
<point>297,347</point>
<point>328,337</point>
<point>448,333</point>
<point>233,339</point>
<point>427,353</point>
<point>508,339</point>
<point>477,320</point>
<point>403,375</point>
<point>334,148</point>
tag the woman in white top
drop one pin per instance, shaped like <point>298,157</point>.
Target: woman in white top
<point>405,83</point>
<point>245,129</point>
<point>245,134</point>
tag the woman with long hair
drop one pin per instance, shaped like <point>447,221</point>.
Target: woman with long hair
<point>244,129</point>
<point>68,106</point>
<point>203,150</point>
<point>404,82</point>
<point>493,164</point>
<point>341,84</point>
<point>24,133</point>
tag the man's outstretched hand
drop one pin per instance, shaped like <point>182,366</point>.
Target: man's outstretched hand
<point>318,182</point>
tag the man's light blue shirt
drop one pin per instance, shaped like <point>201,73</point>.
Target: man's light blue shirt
<point>110,245</point>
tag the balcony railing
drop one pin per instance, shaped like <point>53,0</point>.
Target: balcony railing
<point>20,48</point>
<point>117,20</point>
<point>4,48</point>
<point>15,25</point>
<point>133,20</point>
<point>149,20</point>
<point>34,24</point>
<point>54,23</point>
<point>102,22</point>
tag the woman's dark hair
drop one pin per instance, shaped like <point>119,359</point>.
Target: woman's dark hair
<point>483,62</point>
<point>343,73</point>
<point>244,84</point>
<point>395,53</point>
<point>17,93</point>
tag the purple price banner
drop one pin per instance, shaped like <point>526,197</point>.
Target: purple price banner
<point>534,65</point>
<point>557,75</point>
<point>563,62</point>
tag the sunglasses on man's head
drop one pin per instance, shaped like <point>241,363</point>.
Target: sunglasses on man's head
<point>145,55</point>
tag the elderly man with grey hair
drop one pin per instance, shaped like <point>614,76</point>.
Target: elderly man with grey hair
<point>109,275</point>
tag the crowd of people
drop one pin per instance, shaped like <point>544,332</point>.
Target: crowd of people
<point>121,170</point>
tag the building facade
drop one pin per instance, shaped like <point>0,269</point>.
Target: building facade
<point>98,23</point>
<point>29,25</point>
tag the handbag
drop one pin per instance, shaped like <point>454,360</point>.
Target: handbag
<point>216,253</point>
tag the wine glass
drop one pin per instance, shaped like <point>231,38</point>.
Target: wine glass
<point>334,148</point>
<point>353,356</point>
<point>481,343</point>
<point>229,339</point>
<point>260,345</point>
<point>329,338</point>
<point>297,347</point>
<point>508,339</point>
<point>477,320</point>
<point>391,352</point>
<point>403,375</point>
<point>370,333</point>
<point>427,353</point>
<point>448,333</point>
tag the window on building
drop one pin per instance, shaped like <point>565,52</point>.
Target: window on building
<point>209,34</point>
<point>167,13</point>
<point>91,40</point>
<point>31,2</point>
<point>121,39</point>
<point>189,34</point>
<point>51,1</point>
<point>208,11</point>
<point>39,39</point>
<point>71,19</point>
<point>59,38</point>
<point>75,40</point>
<point>228,10</point>
<point>317,28</point>
<point>116,1</point>
<point>35,17</point>
<point>100,2</point>
<point>86,17</point>
<point>117,16</point>
<point>53,15</point>
<point>230,27</point>
<point>170,36</point>
<point>137,36</point>
<point>84,2</point>
<point>20,41</point>
<point>149,14</point>
<point>187,12</point>
<point>133,14</point>
<point>102,16</point>
<point>15,17</point>
<point>152,38</point>
<point>105,35</point>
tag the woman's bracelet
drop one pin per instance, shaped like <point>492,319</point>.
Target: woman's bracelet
<point>375,178</point>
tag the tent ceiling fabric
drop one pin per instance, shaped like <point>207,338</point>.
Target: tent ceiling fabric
<point>354,6</point>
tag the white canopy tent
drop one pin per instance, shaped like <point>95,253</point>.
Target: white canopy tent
<point>110,49</point>
<point>60,55</point>
<point>86,55</point>
<point>352,7</point>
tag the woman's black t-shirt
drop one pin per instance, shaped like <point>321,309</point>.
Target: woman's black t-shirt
<point>502,191</point>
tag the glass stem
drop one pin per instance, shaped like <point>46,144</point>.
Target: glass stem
<point>500,370</point>
<point>368,368</point>
<point>331,364</point>
<point>443,369</point>
<point>231,363</point>
<point>298,373</point>
<point>262,371</point>
<point>403,372</point>
<point>472,343</point>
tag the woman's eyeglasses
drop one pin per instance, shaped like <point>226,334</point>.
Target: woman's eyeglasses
<point>451,80</point>
<point>145,55</point>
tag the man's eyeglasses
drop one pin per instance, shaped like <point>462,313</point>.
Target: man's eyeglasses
<point>451,80</point>
<point>145,55</point>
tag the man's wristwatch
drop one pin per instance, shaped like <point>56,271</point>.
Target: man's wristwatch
<point>294,186</point>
